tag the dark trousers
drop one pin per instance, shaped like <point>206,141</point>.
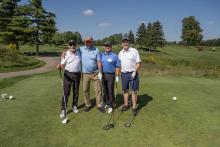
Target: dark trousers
<point>108,85</point>
<point>71,78</point>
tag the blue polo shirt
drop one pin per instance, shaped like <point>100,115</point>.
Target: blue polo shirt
<point>89,57</point>
<point>109,61</point>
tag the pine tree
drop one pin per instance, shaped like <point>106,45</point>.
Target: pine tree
<point>15,24</point>
<point>149,32</point>
<point>141,35</point>
<point>131,36</point>
<point>157,35</point>
<point>40,26</point>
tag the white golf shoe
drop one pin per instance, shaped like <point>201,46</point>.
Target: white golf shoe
<point>110,110</point>
<point>75,110</point>
<point>62,114</point>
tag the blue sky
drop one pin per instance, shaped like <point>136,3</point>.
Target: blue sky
<point>101,18</point>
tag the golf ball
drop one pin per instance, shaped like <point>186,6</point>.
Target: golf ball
<point>174,98</point>
<point>10,97</point>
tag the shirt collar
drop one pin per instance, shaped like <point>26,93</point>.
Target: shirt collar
<point>89,48</point>
<point>71,52</point>
<point>126,50</point>
<point>109,53</point>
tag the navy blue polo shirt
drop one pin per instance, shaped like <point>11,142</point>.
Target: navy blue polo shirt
<point>109,61</point>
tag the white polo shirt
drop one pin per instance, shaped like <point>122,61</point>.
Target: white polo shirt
<point>129,58</point>
<point>72,61</point>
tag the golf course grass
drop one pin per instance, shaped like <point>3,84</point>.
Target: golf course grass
<point>32,119</point>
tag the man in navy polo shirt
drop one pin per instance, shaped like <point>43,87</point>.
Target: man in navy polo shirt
<point>110,68</point>
<point>130,64</point>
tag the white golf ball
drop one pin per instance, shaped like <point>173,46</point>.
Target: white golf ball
<point>10,97</point>
<point>174,98</point>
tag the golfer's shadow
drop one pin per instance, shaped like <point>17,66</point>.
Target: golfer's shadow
<point>142,100</point>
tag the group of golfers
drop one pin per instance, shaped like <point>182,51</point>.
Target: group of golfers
<point>103,70</point>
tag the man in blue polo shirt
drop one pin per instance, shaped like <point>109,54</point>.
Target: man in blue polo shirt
<point>110,67</point>
<point>92,71</point>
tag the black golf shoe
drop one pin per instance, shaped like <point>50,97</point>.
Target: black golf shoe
<point>101,109</point>
<point>124,108</point>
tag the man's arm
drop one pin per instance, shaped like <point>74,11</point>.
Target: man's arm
<point>99,66</point>
<point>137,67</point>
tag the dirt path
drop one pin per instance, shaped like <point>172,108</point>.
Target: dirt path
<point>50,65</point>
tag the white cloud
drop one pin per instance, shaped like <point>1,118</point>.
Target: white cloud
<point>211,22</point>
<point>105,24</point>
<point>88,12</point>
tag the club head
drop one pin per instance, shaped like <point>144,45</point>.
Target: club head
<point>65,121</point>
<point>107,127</point>
<point>127,125</point>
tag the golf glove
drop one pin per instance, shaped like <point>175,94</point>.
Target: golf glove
<point>133,75</point>
<point>100,76</point>
<point>116,79</point>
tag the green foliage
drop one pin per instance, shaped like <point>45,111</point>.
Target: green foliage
<point>157,35</point>
<point>211,42</point>
<point>151,36</point>
<point>131,36</point>
<point>191,31</point>
<point>11,60</point>
<point>27,23</point>
<point>141,35</point>
<point>114,39</point>
<point>43,24</point>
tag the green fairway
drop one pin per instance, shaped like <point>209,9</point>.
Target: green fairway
<point>32,119</point>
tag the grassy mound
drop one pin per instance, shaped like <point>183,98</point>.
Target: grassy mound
<point>11,60</point>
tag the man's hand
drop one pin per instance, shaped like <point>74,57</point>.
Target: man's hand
<point>100,76</point>
<point>116,79</point>
<point>59,66</point>
<point>133,75</point>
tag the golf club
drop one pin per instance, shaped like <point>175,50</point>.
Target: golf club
<point>109,125</point>
<point>65,120</point>
<point>112,125</point>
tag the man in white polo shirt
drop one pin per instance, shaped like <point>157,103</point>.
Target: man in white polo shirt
<point>130,64</point>
<point>71,62</point>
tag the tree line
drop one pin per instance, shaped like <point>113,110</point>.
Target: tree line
<point>32,23</point>
<point>26,23</point>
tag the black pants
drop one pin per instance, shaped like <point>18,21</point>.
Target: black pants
<point>71,78</point>
<point>108,85</point>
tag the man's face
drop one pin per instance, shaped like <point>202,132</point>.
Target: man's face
<point>107,48</point>
<point>72,48</point>
<point>125,44</point>
<point>88,43</point>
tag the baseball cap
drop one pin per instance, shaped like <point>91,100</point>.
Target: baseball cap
<point>71,42</point>
<point>125,37</point>
<point>107,43</point>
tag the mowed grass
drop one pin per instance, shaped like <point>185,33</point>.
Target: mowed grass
<point>32,119</point>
